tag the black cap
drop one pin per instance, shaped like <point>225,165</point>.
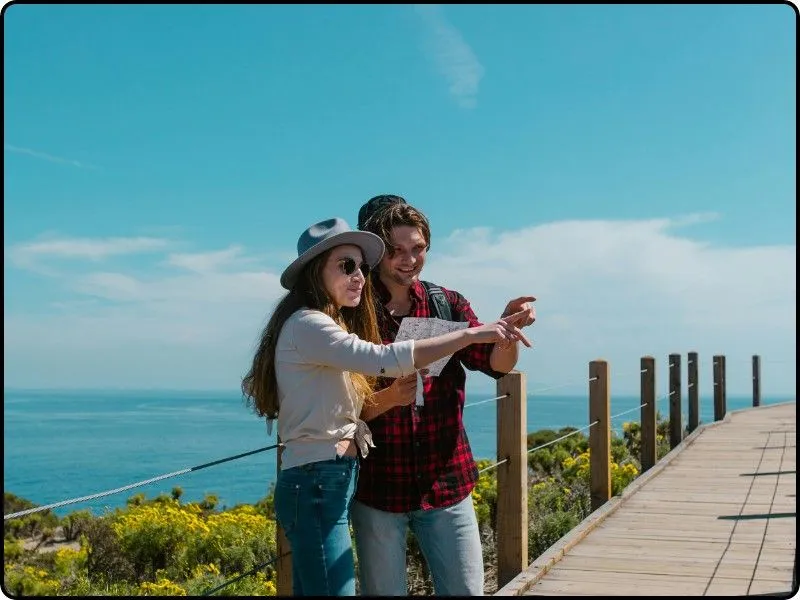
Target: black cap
<point>374,205</point>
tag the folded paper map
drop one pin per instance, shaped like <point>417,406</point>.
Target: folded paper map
<point>416,328</point>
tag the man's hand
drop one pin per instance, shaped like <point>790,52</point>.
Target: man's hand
<point>524,305</point>
<point>519,304</point>
<point>403,390</point>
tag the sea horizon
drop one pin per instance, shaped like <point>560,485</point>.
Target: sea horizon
<point>68,444</point>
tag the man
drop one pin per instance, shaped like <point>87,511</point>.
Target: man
<point>421,472</point>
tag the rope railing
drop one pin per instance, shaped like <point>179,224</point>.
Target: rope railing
<point>243,575</point>
<point>492,466</point>
<point>513,454</point>
<point>534,392</point>
<point>131,486</point>
<point>559,386</point>
<point>642,405</point>
<point>485,401</point>
<point>550,443</point>
<point>625,412</point>
<point>556,440</point>
<point>563,437</point>
<point>538,391</point>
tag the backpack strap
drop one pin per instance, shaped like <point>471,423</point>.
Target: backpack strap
<point>440,306</point>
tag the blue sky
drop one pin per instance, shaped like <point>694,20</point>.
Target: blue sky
<point>632,167</point>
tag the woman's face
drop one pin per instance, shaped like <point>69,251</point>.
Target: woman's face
<point>344,275</point>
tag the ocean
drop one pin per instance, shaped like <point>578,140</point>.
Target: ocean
<point>61,445</point>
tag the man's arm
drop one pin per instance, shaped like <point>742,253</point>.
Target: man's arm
<point>401,393</point>
<point>504,356</point>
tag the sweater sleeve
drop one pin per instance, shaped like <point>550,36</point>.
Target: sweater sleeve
<point>320,340</point>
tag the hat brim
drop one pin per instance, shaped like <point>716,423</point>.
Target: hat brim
<point>371,245</point>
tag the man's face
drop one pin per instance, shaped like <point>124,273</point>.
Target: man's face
<point>404,256</point>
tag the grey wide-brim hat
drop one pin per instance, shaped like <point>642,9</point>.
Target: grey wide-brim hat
<point>328,234</point>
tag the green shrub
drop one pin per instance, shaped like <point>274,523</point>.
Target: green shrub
<point>484,496</point>
<point>106,560</point>
<point>28,580</point>
<point>632,436</point>
<point>266,506</point>
<point>554,508</point>
<point>31,525</point>
<point>12,550</point>
<point>74,524</point>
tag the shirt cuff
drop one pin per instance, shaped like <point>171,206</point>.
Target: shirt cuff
<point>404,354</point>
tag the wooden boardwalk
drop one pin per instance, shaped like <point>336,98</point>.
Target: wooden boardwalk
<point>716,516</point>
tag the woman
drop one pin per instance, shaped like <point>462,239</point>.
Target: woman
<point>317,360</point>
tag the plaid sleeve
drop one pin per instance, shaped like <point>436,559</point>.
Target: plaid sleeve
<point>474,357</point>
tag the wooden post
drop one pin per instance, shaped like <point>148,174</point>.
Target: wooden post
<point>694,392</point>
<point>724,384</point>
<point>756,380</point>
<point>512,477</point>
<point>599,433</point>
<point>675,424</point>
<point>719,407</point>
<point>648,430</point>
<point>283,567</point>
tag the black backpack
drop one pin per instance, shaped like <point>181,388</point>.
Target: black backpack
<point>437,301</point>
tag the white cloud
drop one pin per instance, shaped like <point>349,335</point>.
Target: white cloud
<point>453,57</point>
<point>26,255</point>
<point>616,290</point>
<point>47,157</point>
<point>199,288</point>
<point>192,329</point>
<point>206,261</point>
<point>623,289</point>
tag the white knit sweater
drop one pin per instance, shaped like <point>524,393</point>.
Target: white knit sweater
<point>318,405</point>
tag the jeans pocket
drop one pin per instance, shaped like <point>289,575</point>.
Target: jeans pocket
<point>287,504</point>
<point>336,475</point>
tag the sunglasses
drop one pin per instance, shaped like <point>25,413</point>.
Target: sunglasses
<point>349,266</point>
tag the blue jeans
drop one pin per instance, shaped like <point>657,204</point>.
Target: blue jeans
<point>312,505</point>
<point>448,537</point>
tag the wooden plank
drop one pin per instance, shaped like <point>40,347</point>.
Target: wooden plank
<point>716,588</point>
<point>716,516</point>
<point>632,534</point>
<point>750,555</point>
<point>658,509</point>
<point>706,567</point>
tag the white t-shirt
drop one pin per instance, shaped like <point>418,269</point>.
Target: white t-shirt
<point>318,405</point>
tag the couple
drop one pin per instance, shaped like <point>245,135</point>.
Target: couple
<point>327,359</point>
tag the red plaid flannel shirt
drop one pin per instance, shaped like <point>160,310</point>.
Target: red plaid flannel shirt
<point>422,458</point>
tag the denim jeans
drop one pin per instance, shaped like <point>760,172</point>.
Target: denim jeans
<point>448,537</point>
<point>312,505</point>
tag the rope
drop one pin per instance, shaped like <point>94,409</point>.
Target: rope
<point>500,462</point>
<point>561,385</point>
<point>563,437</point>
<point>484,401</point>
<point>492,466</point>
<point>629,410</point>
<point>534,392</point>
<point>250,572</point>
<point>134,485</point>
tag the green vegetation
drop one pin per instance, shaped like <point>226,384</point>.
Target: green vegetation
<point>156,547</point>
<point>162,547</point>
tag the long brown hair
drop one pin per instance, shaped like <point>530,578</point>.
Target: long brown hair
<point>260,385</point>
